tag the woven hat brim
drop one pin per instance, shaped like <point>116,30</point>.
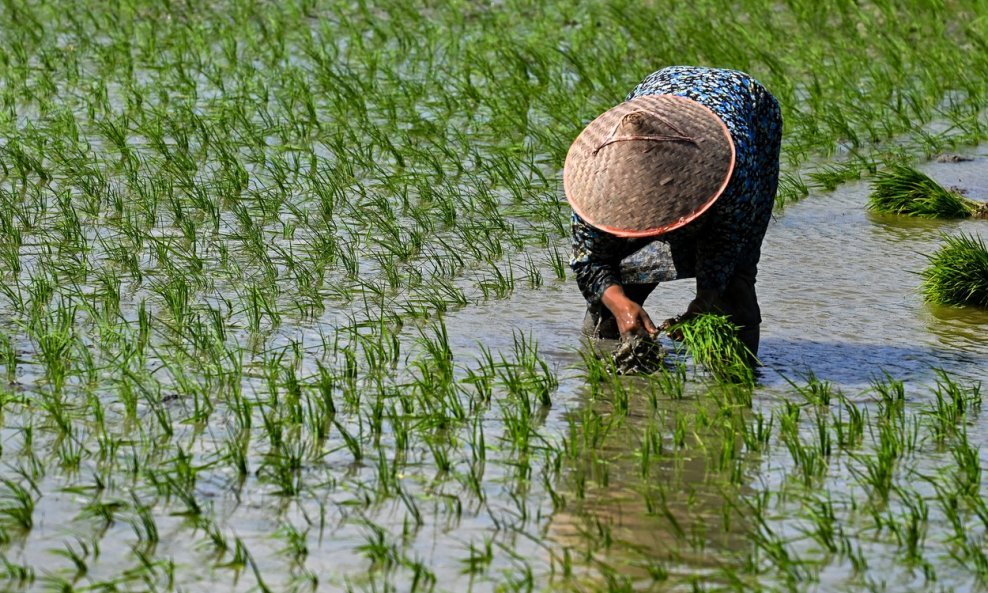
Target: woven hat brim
<point>648,166</point>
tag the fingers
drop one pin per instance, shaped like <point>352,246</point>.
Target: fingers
<point>647,323</point>
<point>637,323</point>
<point>670,326</point>
<point>632,320</point>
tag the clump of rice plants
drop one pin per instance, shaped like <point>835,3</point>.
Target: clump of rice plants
<point>958,273</point>
<point>713,342</point>
<point>901,189</point>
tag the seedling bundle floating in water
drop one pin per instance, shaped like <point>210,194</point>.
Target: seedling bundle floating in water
<point>901,189</point>
<point>958,273</point>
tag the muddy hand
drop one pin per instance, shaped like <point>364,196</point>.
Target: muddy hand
<point>703,303</point>
<point>632,320</point>
<point>672,325</point>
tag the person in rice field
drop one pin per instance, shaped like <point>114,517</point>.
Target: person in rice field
<point>678,181</point>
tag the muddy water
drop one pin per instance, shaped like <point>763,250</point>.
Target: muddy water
<point>841,291</point>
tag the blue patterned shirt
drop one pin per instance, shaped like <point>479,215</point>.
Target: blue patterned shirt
<point>726,237</point>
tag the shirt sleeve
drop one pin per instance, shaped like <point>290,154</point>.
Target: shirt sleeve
<point>596,259</point>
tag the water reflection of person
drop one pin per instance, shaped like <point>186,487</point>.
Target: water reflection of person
<point>676,182</point>
<point>682,515</point>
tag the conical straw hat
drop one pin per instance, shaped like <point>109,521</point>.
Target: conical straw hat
<point>648,166</point>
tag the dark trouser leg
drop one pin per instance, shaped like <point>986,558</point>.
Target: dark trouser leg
<point>600,323</point>
<point>740,303</point>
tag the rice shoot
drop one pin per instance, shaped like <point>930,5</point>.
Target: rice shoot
<point>958,273</point>
<point>713,342</point>
<point>901,189</point>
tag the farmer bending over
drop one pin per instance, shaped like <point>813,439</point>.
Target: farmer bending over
<point>676,182</point>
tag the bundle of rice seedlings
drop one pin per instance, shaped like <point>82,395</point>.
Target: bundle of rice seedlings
<point>958,273</point>
<point>713,342</point>
<point>901,189</point>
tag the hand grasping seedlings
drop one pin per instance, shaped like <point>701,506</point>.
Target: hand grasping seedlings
<point>638,355</point>
<point>901,189</point>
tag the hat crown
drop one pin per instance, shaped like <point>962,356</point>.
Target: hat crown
<point>640,122</point>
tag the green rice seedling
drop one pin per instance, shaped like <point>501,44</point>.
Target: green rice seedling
<point>668,380</point>
<point>972,556</point>
<point>17,509</point>
<point>823,438</point>
<point>499,284</point>
<point>78,558</point>
<point>757,433</point>
<point>249,560</point>
<point>557,263</point>
<point>532,272</point>
<point>829,177</point>
<point>877,471</point>
<point>947,412</point>
<point>911,533</point>
<point>967,469</point>
<point>528,377</point>
<point>680,432</point>
<point>892,397</point>
<point>791,189</point>
<point>901,189</point>
<point>849,432</point>
<point>55,336</point>
<point>816,392</point>
<point>713,342</point>
<point>957,273</point>
<point>826,529</point>
<point>16,576</point>
<point>8,357</point>
<point>651,445</point>
<point>144,525</point>
<point>353,444</point>
<point>810,459</point>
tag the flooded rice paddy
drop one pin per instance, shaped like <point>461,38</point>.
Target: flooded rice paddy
<point>284,306</point>
<point>619,483</point>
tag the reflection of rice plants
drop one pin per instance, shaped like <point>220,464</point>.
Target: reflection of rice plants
<point>901,189</point>
<point>713,342</point>
<point>958,273</point>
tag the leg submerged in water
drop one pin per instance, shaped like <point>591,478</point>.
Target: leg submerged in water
<point>740,304</point>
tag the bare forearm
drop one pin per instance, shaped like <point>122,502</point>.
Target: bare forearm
<point>614,298</point>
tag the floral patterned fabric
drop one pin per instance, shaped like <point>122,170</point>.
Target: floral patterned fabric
<point>726,237</point>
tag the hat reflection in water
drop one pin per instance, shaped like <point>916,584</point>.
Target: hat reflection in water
<point>676,182</point>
